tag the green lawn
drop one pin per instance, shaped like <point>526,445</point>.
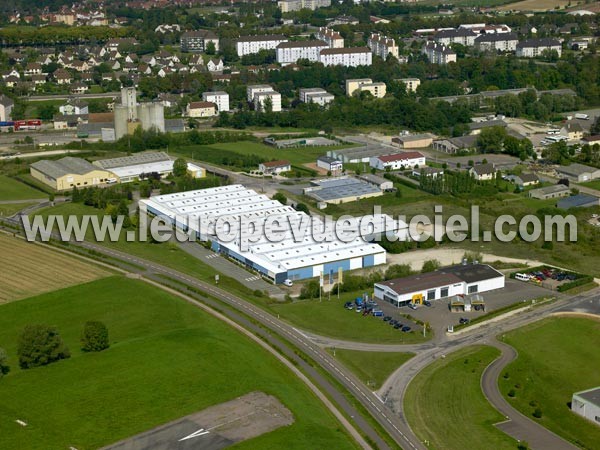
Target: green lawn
<point>298,156</point>
<point>373,368</point>
<point>11,189</point>
<point>557,357</point>
<point>595,184</point>
<point>167,359</point>
<point>8,210</point>
<point>330,318</point>
<point>445,406</point>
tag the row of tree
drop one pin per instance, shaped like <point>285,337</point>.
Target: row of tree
<point>40,345</point>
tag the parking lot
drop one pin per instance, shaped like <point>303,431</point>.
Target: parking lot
<point>439,315</point>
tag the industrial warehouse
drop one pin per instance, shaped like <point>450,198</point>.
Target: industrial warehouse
<point>461,280</point>
<point>290,257</point>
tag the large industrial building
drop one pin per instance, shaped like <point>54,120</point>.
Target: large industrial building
<point>461,280</point>
<point>67,173</point>
<point>288,257</point>
<point>587,404</point>
<point>341,190</point>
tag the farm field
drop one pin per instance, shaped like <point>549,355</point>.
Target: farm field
<point>167,359</point>
<point>213,153</point>
<point>557,357</point>
<point>372,368</point>
<point>30,269</point>
<point>535,5</point>
<point>11,189</point>
<point>445,406</point>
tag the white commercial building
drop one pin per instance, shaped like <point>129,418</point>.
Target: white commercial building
<point>328,163</point>
<point>398,161</point>
<point>533,48</point>
<point>462,280</point>
<point>348,57</point>
<point>332,38</point>
<point>247,45</point>
<point>297,5</point>
<point>382,46</point>
<point>587,404</point>
<point>219,98</point>
<point>217,215</point>
<point>291,52</point>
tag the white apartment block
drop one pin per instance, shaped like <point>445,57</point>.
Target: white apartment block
<point>291,52</point>
<point>348,57</point>
<point>535,47</point>
<point>253,89</point>
<point>411,83</point>
<point>459,36</point>
<point>331,37</point>
<point>219,98</point>
<point>500,42</point>
<point>382,45</point>
<point>377,89</point>
<point>316,95</point>
<point>439,53</point>
<point>260,100</point>
<point>297,5</point>
<point>253,44</point>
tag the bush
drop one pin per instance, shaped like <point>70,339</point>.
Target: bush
<point>512,393</point>
<point>430,265</point>
<point>94,337</point>
<point>4,367</point>
<point>40,345</point>
<point>537,413</point>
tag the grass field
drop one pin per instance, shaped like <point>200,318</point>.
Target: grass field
<point>445,406</point>
<point>373,368</point>
<point>294,155</point>
<point>29,269</point>
<point>330,318</point>
<point>557,357</point>
<point>592,184</point>
<point>11,189</point>
<point>167,359</point>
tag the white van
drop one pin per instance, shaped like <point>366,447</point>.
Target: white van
<point>522,277</point>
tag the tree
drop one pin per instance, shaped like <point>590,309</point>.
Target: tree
<point>210,48</point>
<point>430,265</point>
<point>4,367</point>
<point>280,198</point>
<point>40,345</point>
<point>302,207</point>
<point>94,337</point>
<point>180,167</point>
<point>491,140</point>
<point>397,271</point>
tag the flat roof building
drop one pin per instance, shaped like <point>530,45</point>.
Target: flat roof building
<point>587,404</point>
<point>342,190</point>
<point>578,201</point>
<point>548,192</point>
<point>288,257</point>
<point>465,279</point>
<point>130,168</point>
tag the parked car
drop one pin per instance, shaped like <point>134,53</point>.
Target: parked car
<point>349,305</point>
<point>397,326</point>
<point>378,313</point>
<point>387,318</point>
<point>463,320</point>
<point>427,303</point>
<point>406,329</point>
<point>288,282</point>
<point>393,322</point>
<point>359,309</point>
<point>412,306</point>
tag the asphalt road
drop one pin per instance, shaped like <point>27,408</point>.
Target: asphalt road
<point>516,425</point>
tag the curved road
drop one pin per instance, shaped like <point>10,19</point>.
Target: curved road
<point>516,425</point>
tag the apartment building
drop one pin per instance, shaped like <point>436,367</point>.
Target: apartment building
<point>331,37</point>
<point>382,46</point>
<point>499,42</point>
<point>439,53</point>
<point>219,98</point>
<point>196,41</point>
<point>377,89</point>
<point>291,52</point>
<point>247,45</point>
<point>348,57</point>
<point>532,48</point>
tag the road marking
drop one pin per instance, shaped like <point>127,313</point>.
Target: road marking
<point>200,432</point>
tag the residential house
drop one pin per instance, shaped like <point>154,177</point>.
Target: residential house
<point>33,69</point>
<point>274,167</point>
<point>62,76</point>
<point>572,130</point>
<point>201,109</point>
<point>483,172</point>
<point>215,65</point>
<point>524,179</point>
<point>74,106</point>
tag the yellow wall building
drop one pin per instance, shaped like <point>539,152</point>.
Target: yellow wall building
<point>67,173</point>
